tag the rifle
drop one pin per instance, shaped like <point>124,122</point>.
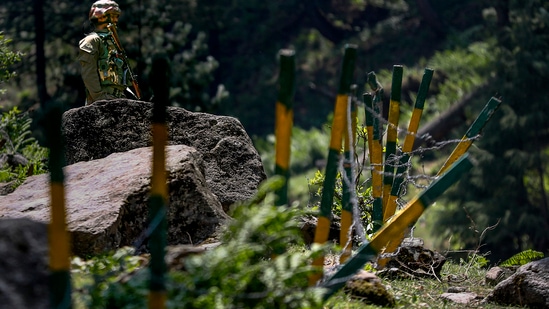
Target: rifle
<point>112,29</point>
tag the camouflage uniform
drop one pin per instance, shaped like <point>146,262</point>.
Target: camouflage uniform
<point>102,69</point>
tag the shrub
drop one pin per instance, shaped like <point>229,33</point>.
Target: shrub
<point>16,140</point>
<point>256,266</point>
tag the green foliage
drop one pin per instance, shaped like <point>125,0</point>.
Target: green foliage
<point>99,274</point>
<point>464,69</point>
<point>421,293</point>
<point>15,134</point>
<point>256,266</point>
<point>509,183</point>
<point>363,194</point>
<point>522,258</point>
<point>307,147</point>
<point>7,58</point>
<point>15,129</point>
<point>192,68</point>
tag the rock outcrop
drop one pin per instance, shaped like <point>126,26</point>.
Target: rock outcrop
<point>528,286</point>
<point>233,168</point>
<point>106,200</point>
<point>24,266</point>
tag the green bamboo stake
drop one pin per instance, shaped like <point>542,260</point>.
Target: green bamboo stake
<point>158,201</point>
<point>284,121</point>
<point>392,132</point>
<point>369,119</point>
<point>459,151</point>
<point>348,179</point>
<point>408,143</point>
<point>58,236</point>
<point>393,230</point>
<point>376,151</point>
<point>406,152</point>
<point>475,129</point>
<point>338,126</point>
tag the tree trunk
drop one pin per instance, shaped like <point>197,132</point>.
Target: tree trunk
<point>39,39</point>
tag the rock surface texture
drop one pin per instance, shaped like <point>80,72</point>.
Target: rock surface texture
<point>412,259</point>
<point>233,167</point>
<point>24,267</point>
<point>106,200</point>
<point>528,286</point>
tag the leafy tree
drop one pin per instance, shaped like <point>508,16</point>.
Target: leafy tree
<point>146,28</point>
<point>508,188</point>
<point>7,58</point>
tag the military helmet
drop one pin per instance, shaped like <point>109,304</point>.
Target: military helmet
<point>100,8</point>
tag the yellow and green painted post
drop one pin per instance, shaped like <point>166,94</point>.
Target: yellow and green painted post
<point>58,236</point>
<point>369,120</point>
<point>406,151</point>
<point>158,200</point>
<point>392,134</point>
<point>284,122</point>
<point>407,148</point>
<point>348,179</point>
<point>336,140</point>
<point>392,231</point>
<point>376,152</point>
<point>475,129</point>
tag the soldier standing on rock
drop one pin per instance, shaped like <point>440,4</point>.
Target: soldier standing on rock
<point>103,69</point>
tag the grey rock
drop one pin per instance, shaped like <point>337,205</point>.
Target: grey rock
<point>307,225</point>
<point>176,255</point>
<point>456,289</point>
<point>24,266</point>
<point>233,167</point>
<point>528,286</point>
<point>497,274</point>
<point>412,258</point>
<point>368,288</point>
<point>107,200</point>
<point>460,298</point>
<point>13,160</point>
<point>7,187</point>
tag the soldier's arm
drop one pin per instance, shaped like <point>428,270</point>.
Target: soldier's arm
<point>87,56</point>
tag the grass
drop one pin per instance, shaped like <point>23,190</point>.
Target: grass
<point>467,276</point>
<point>425,293</point>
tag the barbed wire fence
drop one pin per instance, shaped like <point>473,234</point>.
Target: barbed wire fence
<point>360,165</point>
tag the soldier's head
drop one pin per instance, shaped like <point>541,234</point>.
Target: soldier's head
<point>104,12</point>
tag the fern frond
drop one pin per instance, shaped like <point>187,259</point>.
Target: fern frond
<point>522,258</point>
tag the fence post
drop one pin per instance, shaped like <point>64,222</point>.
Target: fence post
<point>376,159</point>
<point>158,200</point>
<point>338,125</point>
<point>284,121</point>
<point>392,132</point>
<point>408,143</point>
<point>475,129</point>
<point>394,228</point>
<point>347,179</point>
<point>58,236</point>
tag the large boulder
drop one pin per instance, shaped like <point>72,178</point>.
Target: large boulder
<point>233,167</point>
<point>24,264</point>
<point>528,286</point>
<point>106,200</point>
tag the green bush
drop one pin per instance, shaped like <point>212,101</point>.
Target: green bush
<point>258,265</point>
<point>15,136</point>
